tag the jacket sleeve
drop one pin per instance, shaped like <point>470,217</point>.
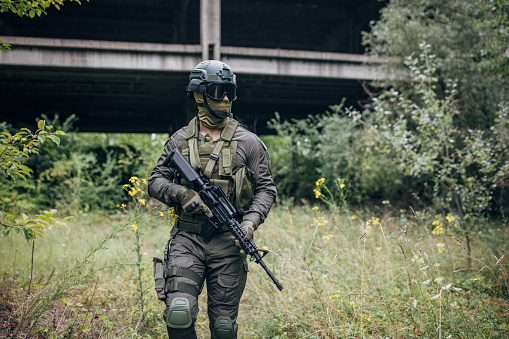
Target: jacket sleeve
<point>257,159</point>
<point>160,184</point>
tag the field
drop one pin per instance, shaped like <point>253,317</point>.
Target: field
<point>370,274</point>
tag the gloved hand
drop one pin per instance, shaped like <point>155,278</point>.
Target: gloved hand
<point>248,227</point>
<point>192,203</point>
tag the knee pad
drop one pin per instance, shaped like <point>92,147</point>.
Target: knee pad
<point>179,314</point>
<point>223,329</point>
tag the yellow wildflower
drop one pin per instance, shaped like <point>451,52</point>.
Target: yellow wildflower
<point>142,201</point>
<point>133,179</point>
<point>327,237</point>
<point>135,227</point>
<point>123,205</point>
<point>438,230</point>
<point>320,182</point>
<point>450,218</point>
<point>161,214</point>
<point>318,192</point>
<point>354,217</point>
<point>342,186</point>
<point>373,221</point>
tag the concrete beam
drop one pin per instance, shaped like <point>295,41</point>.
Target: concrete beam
<point>178,58</point>
<point>300,68</point>
<point>99,54</point>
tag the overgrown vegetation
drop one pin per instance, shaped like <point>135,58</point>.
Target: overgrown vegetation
<point>372,273</point>
<point>469,40</point>
<point>390,222</point>
<point>83,173</point>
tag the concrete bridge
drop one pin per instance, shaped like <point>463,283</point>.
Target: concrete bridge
<point>122,66</point>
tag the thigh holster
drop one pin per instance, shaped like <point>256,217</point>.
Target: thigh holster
<point>179,311</point>
<point>172,285</point>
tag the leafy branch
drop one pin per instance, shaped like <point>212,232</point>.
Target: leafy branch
<point>29,8</point>
<point>14,151</point>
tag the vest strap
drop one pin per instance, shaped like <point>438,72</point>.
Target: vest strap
<point>214,156</point>
<point>192,130</point>
<point>229,130</point>
<point>194,155</point>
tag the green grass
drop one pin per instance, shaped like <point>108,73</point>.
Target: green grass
<point>392,282</point>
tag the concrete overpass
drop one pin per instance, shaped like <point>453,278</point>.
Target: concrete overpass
<point>295,58</point>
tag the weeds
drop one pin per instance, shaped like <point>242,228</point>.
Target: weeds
<point>371,276</point>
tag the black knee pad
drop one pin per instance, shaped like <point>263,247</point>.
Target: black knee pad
<point>179,314</point>
<point>223,329</point>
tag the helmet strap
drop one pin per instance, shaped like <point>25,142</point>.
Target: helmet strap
<point>217,114</point>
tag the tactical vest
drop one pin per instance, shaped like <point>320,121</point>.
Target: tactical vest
<point>218,163</point>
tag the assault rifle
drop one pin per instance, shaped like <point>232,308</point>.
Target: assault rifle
<point>222,209</point>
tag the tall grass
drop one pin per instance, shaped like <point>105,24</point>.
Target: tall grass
<point>372,274</point>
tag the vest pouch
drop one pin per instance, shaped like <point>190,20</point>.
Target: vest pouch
<point>223,183</point>
<point>159,278</point>
<point>244,189</point>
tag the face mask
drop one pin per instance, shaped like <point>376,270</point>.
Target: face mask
<point>207,119</point>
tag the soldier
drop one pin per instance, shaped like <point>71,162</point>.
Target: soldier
<point>237,160</point>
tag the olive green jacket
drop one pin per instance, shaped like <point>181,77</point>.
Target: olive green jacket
<point>251,152</point>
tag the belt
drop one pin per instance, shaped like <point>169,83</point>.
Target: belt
<point>192,227</point>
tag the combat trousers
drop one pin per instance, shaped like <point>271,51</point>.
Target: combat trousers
<point>222,266</point>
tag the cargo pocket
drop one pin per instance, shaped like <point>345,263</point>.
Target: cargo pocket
<point>229,286</point>
<point>159,278</point>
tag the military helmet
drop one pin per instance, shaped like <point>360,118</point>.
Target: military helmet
<point>213,79</point>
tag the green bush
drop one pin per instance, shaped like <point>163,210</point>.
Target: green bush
<point>423,134</point>
<point>332,146</point>
<point>84,173</point>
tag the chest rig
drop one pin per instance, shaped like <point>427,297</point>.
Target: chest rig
<point>217,162</point>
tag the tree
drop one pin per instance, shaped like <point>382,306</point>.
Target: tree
<point>29,8</point>
<point>422,134</point>
<point>469,39</point>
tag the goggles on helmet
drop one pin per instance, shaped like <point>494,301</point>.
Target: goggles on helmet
<point>217,91</point>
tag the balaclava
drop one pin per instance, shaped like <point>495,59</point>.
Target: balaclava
<point>209,120</point>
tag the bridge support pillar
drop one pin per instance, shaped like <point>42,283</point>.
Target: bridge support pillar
<point>210,29</point>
